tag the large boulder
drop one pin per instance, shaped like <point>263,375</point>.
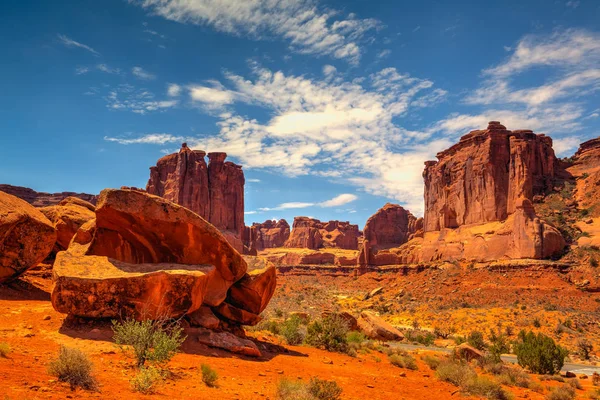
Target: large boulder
<point>26,236</point>
<point>254,291</point>
<point>68,216</point>
<point>376,328</point>
<point>139,238</point>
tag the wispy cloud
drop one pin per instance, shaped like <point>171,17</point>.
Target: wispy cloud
<point>140,101</point>
<point>173,90</point>
<point>306,27</point>
<point>334,202</point>
<point>140,73</point>
<point>81,70</point>
<point>151,138</point>
<point>65,40</point>
<point>253,180</point>
<point>107,69</point>
<point>339,200</point>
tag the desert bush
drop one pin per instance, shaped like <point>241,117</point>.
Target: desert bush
<point>444,330</point>
<point>575,384</point>
<point>458,339</point>
<point>418,336</point>
<point>268,325</point>
<point>356,337</point>
<point>487,388</point>
<point>556,378</point>
<point>432,361</point>
<point>511,375</point>
<point>499,345</point>
<point>209,375</point>
<point>454,372</point>
<point>596,379</point>
<point>4,349</point>
<point>475,339</point>
<point>564,392</point>
<point>403,360</point>
<point>584,348</point>
<point>74,367</point>
<point>316,389</point>
<point>145,380</point>
<point>539,353</point>
<point>330,333</point>
<point>593,262</point>
<point>290,330</point>
<point>154,341</point>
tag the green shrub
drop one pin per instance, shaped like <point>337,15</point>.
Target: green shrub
<point>321,389</point>
<point>154,341</point>
<point>290,330</point>
<point>499,345</point>
<point>292,390</point>
<point>456,373</point>
<point>561,393</point>
<point>539,353</point>
<point>209,375</point>
<point>330,333</point>
<point>404,361</point>
<point>356,337</point>
<point>418,336</point>
<point>432,361</point>
<point>145,380</point>
<point>74,367</point>
<point>584,348</point>
<point>511,376</point>
<point>475,339</point>
<point>268,325</point>
<point>575,384</point>
<point>487,388</point>
<point>4,349</point>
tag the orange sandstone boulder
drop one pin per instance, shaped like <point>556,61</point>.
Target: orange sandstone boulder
<point>254,291</point>
<point>227,341</point>
<point>376,328</point>
<point>26,236</point>
<point>67,217</point>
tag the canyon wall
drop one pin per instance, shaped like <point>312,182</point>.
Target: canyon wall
<point>310,233</point>
<point>266,235</point>
<point>42,199</point>
<point>215,191</point>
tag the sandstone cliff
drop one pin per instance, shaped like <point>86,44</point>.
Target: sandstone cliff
<point>215,191</point>
<point>41,199</point>
<point>266,235</point>
<point>310,233</point>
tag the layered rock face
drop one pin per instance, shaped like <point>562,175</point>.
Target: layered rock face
<point>313,234</point>
<point>391,226</point>
<point>26,236</point>
<point>215,191</point>
<point>267,235</point>
<point>41,199</point>
<point>144,256</point>
<point>482,177</point>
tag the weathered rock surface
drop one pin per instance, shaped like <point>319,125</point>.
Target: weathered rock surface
<point>254,291</point>
<point>310,233</point>
<point>133,229</point>
<point>266,235</point>
<point>26,236</point>
<point>345,316</point>
<point>481,178</point>
<point>67,216</point>
<point>376,328</point>
<point>205,318</point>
<point>391,226</point>
<point>42,199</point>
<point>228,341</point>
<point>215,191</point>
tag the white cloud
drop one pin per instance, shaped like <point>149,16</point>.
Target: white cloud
<point>572,3</point>
<point>82,70</point>
<point>329,70</point>
<point>212,97</point>
<point>301,23</point>
<point>72,43</point>
<point>286,206</point>
<point>140,101</point>
<point>339,200</point>
<point>253,180</point>
<point>107,69</point>
<point>151,138</point>
<point>566,146</point>
<point>173,90</point>
<point>140,73</point>
<point>250,212</point>
<point>384,53</point>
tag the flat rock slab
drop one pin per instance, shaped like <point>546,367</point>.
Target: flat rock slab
<point>101,287</point>
<point>227,341</point>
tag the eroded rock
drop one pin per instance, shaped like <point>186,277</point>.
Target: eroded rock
<point>376,328</point>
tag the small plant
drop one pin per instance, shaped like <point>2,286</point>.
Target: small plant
<point>537,323</point>
<point>418,336</point>
<point>403,360</point>
<point>290,330</point>
<point>316,389</point>
<point>155,341</point>
<point>321,389</point>
<point>432,361</point>
<point>329,333</point>
<point>486,387</point>
<point>145,380</point>
<point>444,331</point>
<point>456,373</point>
<point>356,337</point>
<point>593,262</point>
<point>584,348</point>
<point>74,367</point>
<point>564,392</point>
<point>511,375</point>
<point>209,375</point>
<point>539,353</point>
<point>4,349</point>
<point>499,345</point>
<point>475,339</point>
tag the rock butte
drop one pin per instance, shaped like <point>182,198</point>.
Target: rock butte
<point>41,199</point>
<point>310,233</point>
<point>145,256</point>
<point>266,235</point>
<point>215,191</point>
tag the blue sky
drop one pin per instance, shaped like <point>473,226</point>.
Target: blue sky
<point>331,106</point>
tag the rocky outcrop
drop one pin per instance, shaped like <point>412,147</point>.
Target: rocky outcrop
<point>26,236</point>
<point>146,256</point>
<point>391,226</point>
<point>215,191</point>
<point>266,235</point>
<point>376,328</point>
<point>41,199</point>
<point>310,233</point>
<point>68,216</point>
<point>481,178</point>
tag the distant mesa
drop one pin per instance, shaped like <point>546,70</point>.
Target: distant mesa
<point>266,235</point>
<point>42,199</point>
<point>310,233</point>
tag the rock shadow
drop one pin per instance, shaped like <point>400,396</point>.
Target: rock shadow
<point>20,289</point>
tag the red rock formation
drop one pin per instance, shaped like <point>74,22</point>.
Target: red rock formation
<point>41,199</point>
<point>214,191</point>
<point>266,235</point>
<point>390,226</point>
<point>480,178</point>
<point>313,234</point>
<point>68,216</point>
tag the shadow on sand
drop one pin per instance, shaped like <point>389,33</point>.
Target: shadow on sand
<point>20,289</point>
